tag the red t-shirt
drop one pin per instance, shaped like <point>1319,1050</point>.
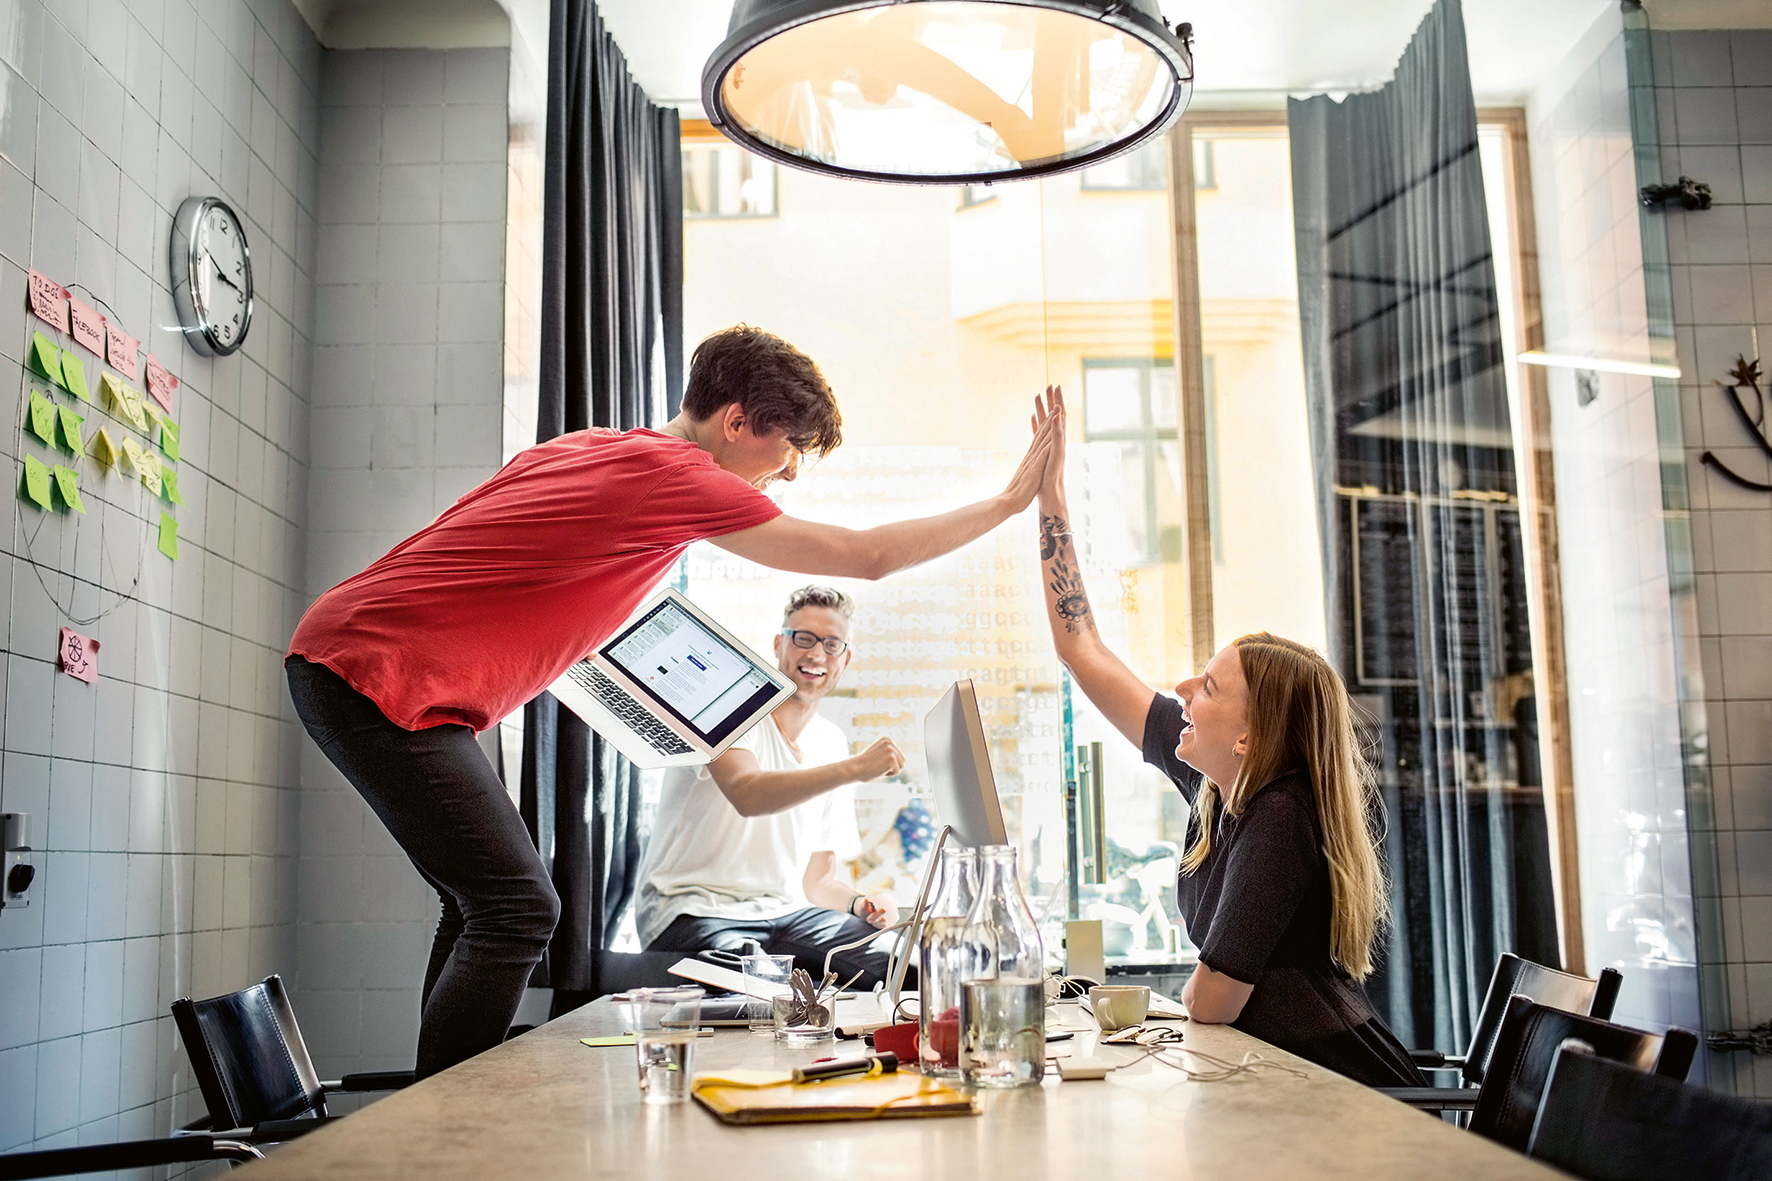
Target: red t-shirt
<point>484,608</point>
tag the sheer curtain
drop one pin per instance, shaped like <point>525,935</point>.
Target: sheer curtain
<point>611,356</point>
<point>1420,521</point>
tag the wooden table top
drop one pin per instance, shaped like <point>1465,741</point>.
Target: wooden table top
<point>544,1106</point>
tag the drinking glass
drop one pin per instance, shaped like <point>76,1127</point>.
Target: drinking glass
<point>770,969</point>
<point>664,1022</point>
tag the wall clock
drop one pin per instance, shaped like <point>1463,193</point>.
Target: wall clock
<point>211,276</point>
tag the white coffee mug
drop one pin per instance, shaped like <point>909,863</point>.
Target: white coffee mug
<point>1117,1006</point>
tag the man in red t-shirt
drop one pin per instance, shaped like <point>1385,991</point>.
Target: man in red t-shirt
<point>394,670</point>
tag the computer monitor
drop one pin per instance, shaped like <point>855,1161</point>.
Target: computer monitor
<point>960,769</point>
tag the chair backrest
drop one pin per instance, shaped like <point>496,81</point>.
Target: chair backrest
<point>1607,1122</point>
<point>1526,1047</point>
<point>1560,990</point>
<point>248,1055</point>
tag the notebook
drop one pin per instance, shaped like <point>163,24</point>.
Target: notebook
<point>900,1095</point>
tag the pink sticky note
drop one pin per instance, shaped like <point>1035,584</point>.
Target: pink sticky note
<point>161,384</point>
<point>122,351</point>
<point>89,326</point>
<point>49,301</point>
<point>79,656</point>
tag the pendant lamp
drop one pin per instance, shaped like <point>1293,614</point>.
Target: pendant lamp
<point>946,92</point>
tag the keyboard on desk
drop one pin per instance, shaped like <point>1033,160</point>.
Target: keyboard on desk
<point>621,703</point>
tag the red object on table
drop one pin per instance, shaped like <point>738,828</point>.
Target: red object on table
<point>897,1039</point>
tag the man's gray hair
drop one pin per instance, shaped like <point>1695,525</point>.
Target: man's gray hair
<point>828,597</point>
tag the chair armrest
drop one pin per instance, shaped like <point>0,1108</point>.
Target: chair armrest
<point>275,1131</point>
<point>1435,1060</point>
<point>130,1154</point>
<point>374,1080</point>
<point>1433,1098</point>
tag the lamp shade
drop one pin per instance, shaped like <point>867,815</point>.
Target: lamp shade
<point>946,91</point>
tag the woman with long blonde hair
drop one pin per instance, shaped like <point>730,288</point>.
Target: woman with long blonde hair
<point>1280,883</point>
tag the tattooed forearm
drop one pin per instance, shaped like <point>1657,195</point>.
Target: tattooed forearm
<point>1064,576</point>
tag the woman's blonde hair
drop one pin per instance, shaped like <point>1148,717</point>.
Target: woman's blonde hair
<point>1300,718</point>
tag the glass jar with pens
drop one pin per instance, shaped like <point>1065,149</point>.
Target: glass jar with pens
<point>941,964</point>
<point>1003,990</point>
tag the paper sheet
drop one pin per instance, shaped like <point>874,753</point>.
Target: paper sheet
<point>131,453</point>
<point>88,326</point>
<point>42,418</point>
<point>161,384</point>
<point>104,450</point>
<point>150,469</point>
<point>74,375</point>
<point>122,352</point>
<point>169,536</point>
<point>169,438</point>
<point>46,359</point>
<point>67,482</point>
<point>37,481</point>
<point>79,655</point>
<point>49,301</point>
<point>71,437</point>
<point>169,486</point>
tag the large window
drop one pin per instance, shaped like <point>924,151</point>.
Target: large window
<point>721,179</point>
<point>1130,403</point>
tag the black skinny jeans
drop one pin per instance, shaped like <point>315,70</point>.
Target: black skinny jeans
<point>445,806</point>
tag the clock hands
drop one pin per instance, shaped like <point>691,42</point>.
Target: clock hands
<point>223,277</point>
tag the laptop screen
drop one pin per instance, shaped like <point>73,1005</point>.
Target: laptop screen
<point>706,683</point>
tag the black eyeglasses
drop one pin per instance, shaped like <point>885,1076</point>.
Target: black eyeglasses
<point>832,644</point>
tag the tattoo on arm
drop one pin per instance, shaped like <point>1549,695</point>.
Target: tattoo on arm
<point>1066,575</point>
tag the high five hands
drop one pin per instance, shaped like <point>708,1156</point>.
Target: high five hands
<point>1048,417</point>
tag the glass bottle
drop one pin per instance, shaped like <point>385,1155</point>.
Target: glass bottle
<point>941,962</point>
<point>1003,988</point>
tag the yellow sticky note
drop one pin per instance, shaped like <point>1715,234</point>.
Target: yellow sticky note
<point>150,469</point>
<point>36,481</point>
<point>169,486</point>
<point>74,375</point>
<point>42,418</point>
<point>150,411</point>
<point>112,386</point>
<point>103,449</point>
<point>67,482</point>
<point>131,453</point>
<point>169,536</point>
<point>46,358</point>
<point>169,438</point>
<point>71,438</point>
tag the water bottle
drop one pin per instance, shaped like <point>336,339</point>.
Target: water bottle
<point>941,963</point>
<point>1003,986</point>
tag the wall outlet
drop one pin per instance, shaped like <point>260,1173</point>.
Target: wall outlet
<point>17,871</point>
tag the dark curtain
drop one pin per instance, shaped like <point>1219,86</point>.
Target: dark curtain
<point>1420,522</point>
<point>611,356</point>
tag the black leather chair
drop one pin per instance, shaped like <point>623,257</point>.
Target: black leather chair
<point>1514,976</point>
<point>1526,1048</point>
<point>1608,1122</point>
<point>130,1154</point>
<point>252,1066</point>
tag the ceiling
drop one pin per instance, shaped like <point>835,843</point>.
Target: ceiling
<point>1249,52</point>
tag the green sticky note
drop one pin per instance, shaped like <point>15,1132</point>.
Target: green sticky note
<point>169,486</point>
<point>36,481</point>
<point>169,438</point>
<point>71,437</point>
<point>169,536</point>
<point>46,359</point>
<point>43,418</point>
<point>74,376</point>
<point>67,482</point>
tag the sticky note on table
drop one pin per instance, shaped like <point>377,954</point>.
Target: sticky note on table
<point>49,301</point>
<point>169,438</point>
<point>37,481</point>
<point>67,482</point>
<point>79,655</point>
<point>150,468</point>
<point>169,536</point>
<point>42,420</point>
<point>89,326</point>
<point>169,486</point>
<point>161,384</point>
<point>74,375</point>
<point>104,450</point>
<point>122,352</point>
<point>71,437</point>
<point>46,359</point>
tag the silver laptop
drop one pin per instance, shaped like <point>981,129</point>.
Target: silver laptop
<point>672,688</point>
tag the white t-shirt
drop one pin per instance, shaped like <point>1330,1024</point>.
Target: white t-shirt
<point>705,859</point>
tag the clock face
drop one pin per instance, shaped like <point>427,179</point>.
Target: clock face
<point>215,303</point>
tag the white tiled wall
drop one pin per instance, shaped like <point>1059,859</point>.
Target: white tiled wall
<point>165,796</point>
<point>408,415</point>
<point>1620,620</point>
<point>1714,93</point>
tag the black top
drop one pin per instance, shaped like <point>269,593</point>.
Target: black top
<point>1258,908</point>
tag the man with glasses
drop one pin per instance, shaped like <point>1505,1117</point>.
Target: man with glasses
<point>747,848</point>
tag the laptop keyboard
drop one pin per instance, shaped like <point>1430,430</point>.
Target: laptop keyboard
<point>622,704</point>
